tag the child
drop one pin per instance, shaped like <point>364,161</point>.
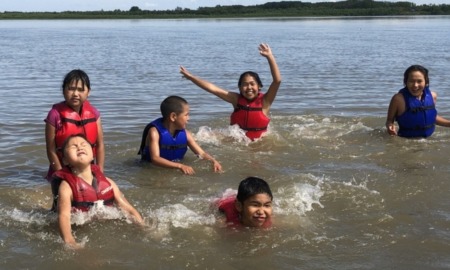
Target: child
<point>251,107</point>
<point>82,183</point>
<point>252,207</point>
<point>165,140</point>
<point>75,115</point>
<point>413,107</point>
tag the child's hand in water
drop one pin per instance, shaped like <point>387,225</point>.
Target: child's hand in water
<point>187,169</point>
<point>74,246</point>
<point>217,167</point>
<point>391,129</point>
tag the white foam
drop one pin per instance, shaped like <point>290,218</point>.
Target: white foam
<point>311,127</point>
<point>97,211</point>
<point>215,136</point>
<point>32,217</point>
<point>178,216</point>
<point>207,135</point>
<point>297,199</point>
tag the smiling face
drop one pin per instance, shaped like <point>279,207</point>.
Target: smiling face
<point>78,151</point>
<point>256,210</point>
<point>75,94</point>
<point>416,83</point>
<point>182,118</point>
<point>249,87</point>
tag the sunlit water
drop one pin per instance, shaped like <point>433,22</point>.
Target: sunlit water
<point>346,195</point>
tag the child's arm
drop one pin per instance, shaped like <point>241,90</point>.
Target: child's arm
<point>193,145</point>
<point>393,111</point>
<point>229,97</point>
<point>64,212</point>
<point>100,157</point>
<point>269,97</point>
<point>50,133</point>
<point>440,121</point>
<point>123,203</point>
<point>153,139</point>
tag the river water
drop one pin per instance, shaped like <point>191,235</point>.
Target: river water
<point>346,194</point>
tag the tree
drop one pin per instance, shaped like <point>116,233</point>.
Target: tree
<point>135,9</point>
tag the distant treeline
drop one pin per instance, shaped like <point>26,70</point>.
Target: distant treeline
<point>270,9</point>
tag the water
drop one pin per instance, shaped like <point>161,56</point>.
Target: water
<point>347,195</point>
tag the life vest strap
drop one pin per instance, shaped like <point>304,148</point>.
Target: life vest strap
<point>246,108</point>
<point>79,123</point>
<point>173,147</point>
<point>421,109</point>
<point>255,129</point>
<point>90,204</point>
<point>420,127</point>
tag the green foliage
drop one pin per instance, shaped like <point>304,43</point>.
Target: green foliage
<point>135,9</point>
<point>269,9</point>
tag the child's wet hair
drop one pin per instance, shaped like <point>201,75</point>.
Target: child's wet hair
<point>76,75</point>
<point>172,104</point>
<point>251,186</point>
<point>413,68</point>
<point>252,74</point>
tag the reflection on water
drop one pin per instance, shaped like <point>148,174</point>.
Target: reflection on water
<point>346,195</point>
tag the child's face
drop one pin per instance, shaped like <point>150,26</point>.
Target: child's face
<point>75,94</point>
<point>182,118</point>
<point>255,210</point>
<point>416,83</point>
<point>249,87</point>
<point>78,151</point>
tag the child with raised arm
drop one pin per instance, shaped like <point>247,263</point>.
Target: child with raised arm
<point>165,140</point>
<point>251,107</point>
<point>251,207</point>
<point>413,107</point>
<point>74,115</point>
<point>81,184</point>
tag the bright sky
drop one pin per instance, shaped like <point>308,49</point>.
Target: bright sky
<point>94,5</point>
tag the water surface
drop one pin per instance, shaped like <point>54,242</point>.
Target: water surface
<point>347,195</point>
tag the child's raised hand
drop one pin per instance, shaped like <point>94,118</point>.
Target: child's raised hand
<point>185,72</point>
<point>264,49</point>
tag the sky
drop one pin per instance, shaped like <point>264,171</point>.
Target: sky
<point>107,5</point>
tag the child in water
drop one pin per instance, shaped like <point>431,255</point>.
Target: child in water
<point>252,206</point>
<point>413,107</point>
<point>251,107</point>
<point>74,115</point>
<point>165,140</point>
<point>81,184</point>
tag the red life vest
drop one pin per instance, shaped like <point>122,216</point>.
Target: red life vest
<point>73,123</point>
<point>226,205</point>
<point>84,195</point>
<point>249,116</point>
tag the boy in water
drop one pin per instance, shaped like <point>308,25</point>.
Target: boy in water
<point>165,140</point>
<point>81,184</point>
<point>252,206</point>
